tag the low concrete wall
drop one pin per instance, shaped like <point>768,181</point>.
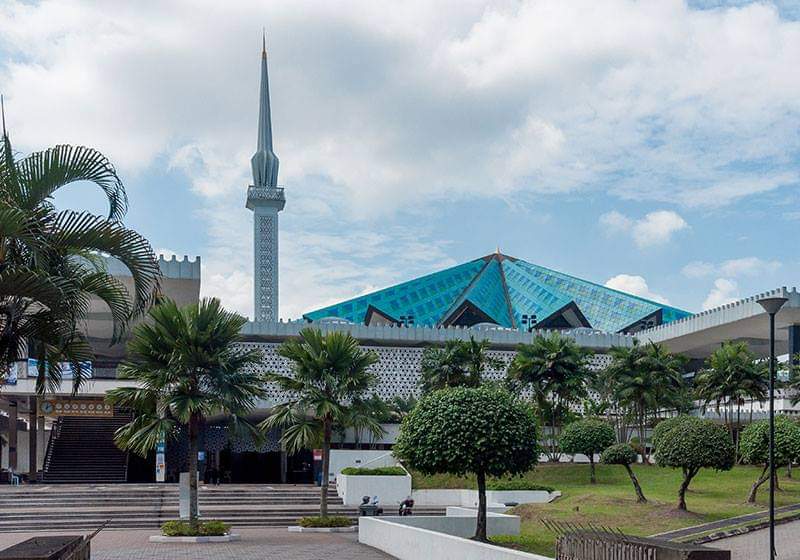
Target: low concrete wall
<point>469,498</point>
<point>391,490</point>
<point>461,522</point>
<point>372,458</point>
<point>399,538</point>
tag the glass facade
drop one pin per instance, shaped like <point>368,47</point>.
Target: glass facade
<point>504,289</point>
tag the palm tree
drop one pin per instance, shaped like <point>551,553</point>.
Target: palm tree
<point>732,376</point>
<point>329,373</point>
<point>556,370</point>
<point>460,363</point>
<point>648,378</point>
<point>49,260</point>
<point>188,366</point>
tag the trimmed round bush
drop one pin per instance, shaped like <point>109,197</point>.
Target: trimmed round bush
<point>690,444</point>
<point>484,430</point>
<point>587,437</point>
<point>624,454</point>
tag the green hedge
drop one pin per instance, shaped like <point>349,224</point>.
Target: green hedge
<point>380,471</point>
<point>331,521</point>
<point>205,529</point>
<point>516,484</point>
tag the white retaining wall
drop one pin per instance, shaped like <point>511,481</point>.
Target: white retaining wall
<point>469,498</point>
<point>391,490</point>
<point>370,458</point>
<point>412,542</point>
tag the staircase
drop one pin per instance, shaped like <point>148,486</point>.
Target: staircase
<point>129,506</point>
<point>81,450</point>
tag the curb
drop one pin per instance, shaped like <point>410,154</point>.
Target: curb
<point>298,529</point>
<point>195,540</point>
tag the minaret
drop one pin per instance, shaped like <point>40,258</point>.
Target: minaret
<point>265,199</point>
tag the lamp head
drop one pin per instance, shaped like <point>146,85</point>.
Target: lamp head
<point>772,304</point>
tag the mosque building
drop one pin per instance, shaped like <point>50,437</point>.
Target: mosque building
<point>499,298</point>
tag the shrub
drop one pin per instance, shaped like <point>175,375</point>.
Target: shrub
<point>754,447</point>
<point>587,437</point>
<point>691,444</point>
<point>379,471</point>
<point>516,484</point>
<point>179,528</point>
<point>624,454</point>
<point>483,430</point>
<point>330,521</point>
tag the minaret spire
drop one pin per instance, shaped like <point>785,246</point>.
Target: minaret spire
<point>264,162</point>
<point>265,198</point>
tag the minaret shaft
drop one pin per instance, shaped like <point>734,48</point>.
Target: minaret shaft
<point>265,199</point>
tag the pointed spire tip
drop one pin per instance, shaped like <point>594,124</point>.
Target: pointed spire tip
<point>264,42</point>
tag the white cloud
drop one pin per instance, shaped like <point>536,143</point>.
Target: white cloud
<point>635,285</point>
<point>724,291</point>
<point>655,228</point>
<point>698,269</point>
<point>615,222</point>
<point>648,100</point>
<point>745,266</point>
<point>373,115</point>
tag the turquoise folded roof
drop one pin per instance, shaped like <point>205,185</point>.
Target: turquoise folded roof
<point>501,289</point>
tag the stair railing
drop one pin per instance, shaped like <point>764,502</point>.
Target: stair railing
<point>55,432</point>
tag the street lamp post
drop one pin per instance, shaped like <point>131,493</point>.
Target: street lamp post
<point>772,305</point>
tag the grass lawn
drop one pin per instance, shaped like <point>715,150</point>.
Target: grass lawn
<point>611,502</point>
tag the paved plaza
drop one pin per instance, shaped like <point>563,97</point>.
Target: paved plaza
<point>755,545</point>
<point>256,544</point>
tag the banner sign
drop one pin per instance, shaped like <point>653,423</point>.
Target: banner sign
<point>75,407</point>
<point>161,463</point>
<point>67,369</point>
<point>12,374</point>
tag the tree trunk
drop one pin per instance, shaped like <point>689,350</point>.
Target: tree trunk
<point>592,477</point>
<point>789,470</point>
<point>688,475</point>
<point>635,481</point>
<point>642,433</point>
<point>480,530</point>
<point>738,427</point>
<point>194,426</point>
<point>326,462</point>
<point>751,497</point>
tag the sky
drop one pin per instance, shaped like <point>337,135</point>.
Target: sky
<point>653,146</point>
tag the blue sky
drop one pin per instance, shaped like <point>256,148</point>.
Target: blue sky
<point>650,145</point>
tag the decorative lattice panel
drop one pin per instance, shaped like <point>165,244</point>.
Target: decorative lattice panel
<point>398,368</point>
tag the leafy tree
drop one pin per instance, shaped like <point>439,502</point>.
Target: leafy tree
<point>624,454</point>
<point>484,430</point>
<point>732,376</point>
<point>691,444</point>
<point>647,379</point>
<point>587,437</point>
<point>754,447</point>
<point>330,378</point>
<point>400,407</point>
<point>459,363</point>
<point>189,367</point>
<point>556,370</point>
<point>49,265</point>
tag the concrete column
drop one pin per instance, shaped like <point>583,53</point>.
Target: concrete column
<point>42,442</point>
<point>793,332</point>
<point>12,435</point>
<point>33,448</point>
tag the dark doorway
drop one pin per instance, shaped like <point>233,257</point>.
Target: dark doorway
<point>250,467</point>
<point>142,469</point>
<point>300,467</point>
